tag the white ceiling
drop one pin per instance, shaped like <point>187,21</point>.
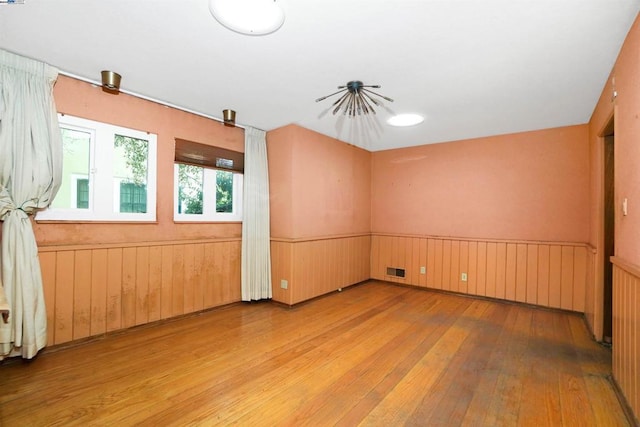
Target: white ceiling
<point>472,68</point>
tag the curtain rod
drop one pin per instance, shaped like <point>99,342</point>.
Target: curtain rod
<point>148,98</point>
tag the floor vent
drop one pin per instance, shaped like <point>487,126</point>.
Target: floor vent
<point>396,272</point>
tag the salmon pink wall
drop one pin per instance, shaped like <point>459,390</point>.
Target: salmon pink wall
<point>280,156</point>
<point>319,185</point>
<point>627,147</point>
<point>320,201</point>
<point>624,81</point>
<point>82,99</point>
<point>526,186</point>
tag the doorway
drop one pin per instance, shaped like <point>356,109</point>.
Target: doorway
<point>609,230</point>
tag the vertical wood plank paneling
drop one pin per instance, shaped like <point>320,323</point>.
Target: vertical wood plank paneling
<point>338,262</point>
<point>48,270</point>
<point>431,263</point>
<point>543,275</point>
<point>415,261</point>
<point>142,285</point>
<point>464,267</point>
<point>177,289</point>
<point>401,258</point>
<point>188,278</point>
<point>114,289</point>
<point>233,273</point>
<point>481,287</point>
<point>99,265</point>
<point>281,270</point>
<point>555,275</point>
<point>580,267</point>
<point>375,258</point>
<point>82,294</point>
<point>393,255</point>
<point>90,291</point>
<point>226,281</point>
<point>385,255</point>
<point>521,273</point>
<point>492,251</point>
<point>566,281</point>
<point>512,268</point>
<point>501,270</point>
<point>446,265</point>
<point>198,277</point>
<point>438,268</point>
<point>626,333</point>
<point>366,249</point>
<point>63,319</point>
<point>454,279</point>
<point>423,260</point>
<point>535,273</point>
<point>297,258</point>
<point>129,264</point>
<point>532,274</point>
<point>155,283</point>
<point>166,304</point>
<point>472,286</point>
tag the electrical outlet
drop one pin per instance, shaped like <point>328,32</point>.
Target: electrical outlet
<point>284,284</point>
<point>463,277</point>
<point>423,270</point>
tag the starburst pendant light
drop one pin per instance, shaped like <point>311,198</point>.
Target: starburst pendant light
<point>356,99</point>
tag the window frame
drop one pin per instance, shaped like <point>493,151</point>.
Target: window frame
<point>101,154</point>
<point>209,213</point>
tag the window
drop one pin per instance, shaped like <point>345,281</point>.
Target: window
<point>108,173</point>
<point>205,189</point>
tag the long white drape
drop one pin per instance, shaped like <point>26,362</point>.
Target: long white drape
<point>256,244</point>
<point>30,173</point>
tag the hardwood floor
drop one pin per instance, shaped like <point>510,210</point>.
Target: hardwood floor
<point>374,354</point>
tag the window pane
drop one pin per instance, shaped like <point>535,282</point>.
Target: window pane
<point>75,168</point>
<point>190,189</point>
<point>133,198</point>
<point>224,191</point>
<point>82,193</point>
<point>130,169</point>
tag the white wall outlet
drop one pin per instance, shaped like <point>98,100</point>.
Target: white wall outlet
<point>423,270</point>
<point>284,284</point>
<point>463,277</point>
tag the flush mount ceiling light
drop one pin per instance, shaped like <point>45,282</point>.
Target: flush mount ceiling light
<point>402,120</point>
<point>356,99</point>
<point>251,17</point>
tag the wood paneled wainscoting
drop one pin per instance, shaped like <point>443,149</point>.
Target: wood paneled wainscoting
<point>316,266</point>
<point>94,289</point>
<point>626,331</point>
<point>545,274</point>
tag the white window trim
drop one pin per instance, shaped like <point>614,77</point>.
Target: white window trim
<point>209,213</point>
<point>101,208</point>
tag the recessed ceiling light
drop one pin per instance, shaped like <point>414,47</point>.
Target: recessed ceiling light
<point>408,119</point>
<point>251,17</point>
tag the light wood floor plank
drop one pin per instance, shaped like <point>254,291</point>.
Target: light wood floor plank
<point>374,354</point>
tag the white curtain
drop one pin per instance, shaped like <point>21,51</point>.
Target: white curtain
<point>30,173</point>
<point>256,241</point>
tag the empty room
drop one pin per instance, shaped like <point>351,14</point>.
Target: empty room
<point>269,212</point>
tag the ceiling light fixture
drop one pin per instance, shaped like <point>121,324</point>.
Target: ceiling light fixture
<point>111,80</point>
<point>229,117</point>
<point>403,120</point>
<point>357,99</point>
<point>250,17</point>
